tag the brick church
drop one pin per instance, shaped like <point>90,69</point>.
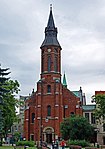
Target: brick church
<point>52,101</point>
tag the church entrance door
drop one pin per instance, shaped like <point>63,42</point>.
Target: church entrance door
<point>49,138</point>
<point>48,134</point>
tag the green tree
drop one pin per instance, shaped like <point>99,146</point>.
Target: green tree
<point>76,128</point>
<point>8,91</point>
<point>17,136</point>
<point>10,103</point>
<point>99,112</point>
<point>3,91</point>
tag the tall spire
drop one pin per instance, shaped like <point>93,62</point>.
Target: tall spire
<point>51,24</point>
<point>64,81</point>
<point>50,32</point>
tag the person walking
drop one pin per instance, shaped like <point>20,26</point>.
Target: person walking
<point>63,144</point>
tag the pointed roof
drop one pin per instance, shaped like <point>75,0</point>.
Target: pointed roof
<point>50,23</point>
<point>64,80</point>
<point>50,32</point>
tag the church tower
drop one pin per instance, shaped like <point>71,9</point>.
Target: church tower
<point>51,51</point>
<point>53,101</point>
<point>49,87</point>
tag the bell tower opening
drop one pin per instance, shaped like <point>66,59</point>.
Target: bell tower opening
<point>49,63</point>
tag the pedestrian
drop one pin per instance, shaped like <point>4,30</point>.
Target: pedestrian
<point>63,144</point>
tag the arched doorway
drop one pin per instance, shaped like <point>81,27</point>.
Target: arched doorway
<point>48,134</point>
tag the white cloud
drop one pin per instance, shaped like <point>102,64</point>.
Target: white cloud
<point>80,32</point>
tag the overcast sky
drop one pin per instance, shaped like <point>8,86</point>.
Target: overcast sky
<point>81,34</point>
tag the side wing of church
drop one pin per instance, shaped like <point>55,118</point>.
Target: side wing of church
<point>52,101</point>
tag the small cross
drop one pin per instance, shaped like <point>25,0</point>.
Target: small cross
<point>50,7</point>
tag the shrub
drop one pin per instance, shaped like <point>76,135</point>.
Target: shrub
<point>27,143</point>
<point>82,143</point>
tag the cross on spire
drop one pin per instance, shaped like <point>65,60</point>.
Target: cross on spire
<point>50,7</point>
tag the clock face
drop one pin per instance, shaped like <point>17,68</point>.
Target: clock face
<point>49,50</point>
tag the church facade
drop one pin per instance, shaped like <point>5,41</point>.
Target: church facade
<point>52,101</point>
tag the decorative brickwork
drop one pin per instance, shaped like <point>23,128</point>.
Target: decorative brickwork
<point>50,93</point>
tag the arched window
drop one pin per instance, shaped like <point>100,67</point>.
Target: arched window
<point>33,116</point>
<point>56,64</point>
<point>42,63</point>
<point>48,88</point>
<point>49,63</point>
<point>48,110</point>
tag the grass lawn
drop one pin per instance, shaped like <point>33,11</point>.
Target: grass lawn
<point>11,147</point>
<point>6,147</point>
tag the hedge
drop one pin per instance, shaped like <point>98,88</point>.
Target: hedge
<point>27,143</point>
<point>82,143</point>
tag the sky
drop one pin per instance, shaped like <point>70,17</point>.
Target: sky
<point>81,34</point>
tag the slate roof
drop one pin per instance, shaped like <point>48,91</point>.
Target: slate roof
<point>50,33</point>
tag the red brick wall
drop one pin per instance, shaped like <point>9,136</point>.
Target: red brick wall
<point>57,99</point>
<point>57,103</point>
<point>99,92</point>
<point>52,53</point>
